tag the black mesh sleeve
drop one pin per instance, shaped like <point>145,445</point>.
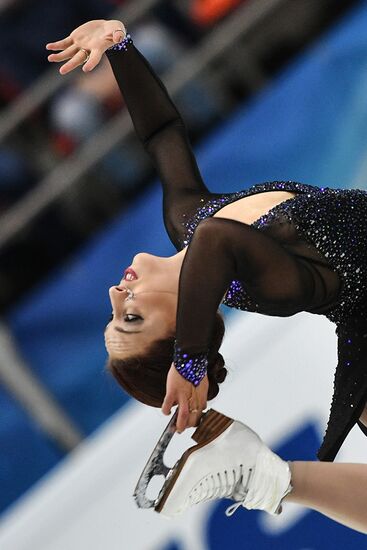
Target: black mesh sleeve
<point>160,128</point>
<point>221,251</point>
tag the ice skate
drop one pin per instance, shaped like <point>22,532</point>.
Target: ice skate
<point>229,461</point>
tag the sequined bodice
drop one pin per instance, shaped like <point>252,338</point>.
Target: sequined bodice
<point>319,214</point>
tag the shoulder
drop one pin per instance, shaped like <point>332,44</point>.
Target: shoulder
<point>209,206</point>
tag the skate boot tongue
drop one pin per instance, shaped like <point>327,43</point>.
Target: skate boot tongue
<point>267,485</point>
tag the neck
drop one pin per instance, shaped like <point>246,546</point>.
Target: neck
<point>177,259</point>
<point>175,263</point>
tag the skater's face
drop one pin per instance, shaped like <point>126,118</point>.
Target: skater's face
<point>144,306</point>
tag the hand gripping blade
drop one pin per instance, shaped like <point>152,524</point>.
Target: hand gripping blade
<point>155,465</point>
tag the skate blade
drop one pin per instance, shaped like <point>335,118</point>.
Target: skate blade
<point>155,465</point>
<point>212,424</point>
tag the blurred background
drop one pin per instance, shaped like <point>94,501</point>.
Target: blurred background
<point>269,90</point>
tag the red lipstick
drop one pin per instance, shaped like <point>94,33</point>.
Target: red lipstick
<point>129,274</point>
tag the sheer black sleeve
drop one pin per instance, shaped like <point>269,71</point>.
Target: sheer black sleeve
<point>161,130</point>
<point>222,251</point>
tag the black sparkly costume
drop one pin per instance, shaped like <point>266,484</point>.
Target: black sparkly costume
<point>306,254</point>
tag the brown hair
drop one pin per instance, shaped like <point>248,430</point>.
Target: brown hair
<point>144,376</point>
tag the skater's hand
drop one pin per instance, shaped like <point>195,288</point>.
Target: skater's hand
<point>182,393</point>
<point>95,37</point>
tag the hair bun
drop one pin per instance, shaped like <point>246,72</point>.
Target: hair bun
<point>220,375</point>
<point>219,371</point>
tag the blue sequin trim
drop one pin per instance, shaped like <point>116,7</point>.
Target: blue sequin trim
<point>192,367</point>
<point>123,45</point>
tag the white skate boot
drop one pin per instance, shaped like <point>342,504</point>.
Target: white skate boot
<point>229,461</point>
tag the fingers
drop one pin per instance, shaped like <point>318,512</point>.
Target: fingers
<point>60,45</point>
<point>74,62</point>
<point>77,57</point>
<point>195,410</point>
<point>89,37</point>
<point>183,412</point>
<point>94,59</point>
<point>197,403</point>
<point>183,416</point>
<point>116,31</point>
<point>64,55</point>
<point>117,36</point>
<point>167,404</point>
<point>194,419</point>
<point>187,417</point>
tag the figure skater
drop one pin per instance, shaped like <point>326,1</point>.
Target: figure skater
<point>277,248</point>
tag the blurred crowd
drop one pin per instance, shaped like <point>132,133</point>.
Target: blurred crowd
<point>84,103</point>
<point>80,108</point>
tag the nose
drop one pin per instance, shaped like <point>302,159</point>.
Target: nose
<point>117,296</point>
<point>117,290</point>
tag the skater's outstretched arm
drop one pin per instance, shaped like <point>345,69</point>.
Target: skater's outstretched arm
<point>156,119</point>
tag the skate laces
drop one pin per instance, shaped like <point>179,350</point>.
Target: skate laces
<point>239,494</point>
<point>223,484</point>
<point>270,483</point>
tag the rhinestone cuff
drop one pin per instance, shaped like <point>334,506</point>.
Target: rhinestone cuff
<point>191,367</point>
<point>121,45</point>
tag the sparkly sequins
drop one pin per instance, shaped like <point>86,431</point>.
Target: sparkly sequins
<point>334,221</point>
<point>339,232</point>
<point>350,385</point>
<point>123,45</point>
<point>210,207</point>
<point>192,367</point>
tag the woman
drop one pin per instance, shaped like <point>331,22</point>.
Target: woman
<point>278,248</point>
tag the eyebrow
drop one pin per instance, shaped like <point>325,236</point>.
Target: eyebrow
<point>119,329</point>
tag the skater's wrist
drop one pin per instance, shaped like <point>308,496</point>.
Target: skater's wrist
<point>193,367</point>
<point>122,45</point>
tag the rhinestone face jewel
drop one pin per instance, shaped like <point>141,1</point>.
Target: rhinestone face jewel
<point>130,294</point>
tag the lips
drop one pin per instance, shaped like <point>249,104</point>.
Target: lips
<point>129,274</point>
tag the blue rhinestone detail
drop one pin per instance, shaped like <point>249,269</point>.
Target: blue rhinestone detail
<point>123,45</point>
<point>192,367</point>
<point>333,220</point>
